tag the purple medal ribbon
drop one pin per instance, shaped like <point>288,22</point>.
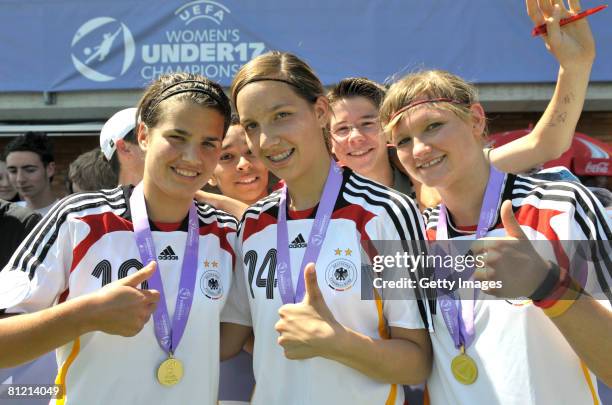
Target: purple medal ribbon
<point>168,335</point>
<point>461,326</point>
<point>315,240</point>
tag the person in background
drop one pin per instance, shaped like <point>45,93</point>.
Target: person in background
<point>120,147</point>
<point>239,174</point>
<point>359,142</point>
<point>16,223</point>
<point>7,190</point>
<point>31,166</point>
<point>90,172</point>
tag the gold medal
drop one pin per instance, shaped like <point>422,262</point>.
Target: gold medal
<point>170,372</point>
<point>464,368</point>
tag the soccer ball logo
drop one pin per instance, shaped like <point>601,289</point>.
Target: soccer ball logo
<point>103,49</point>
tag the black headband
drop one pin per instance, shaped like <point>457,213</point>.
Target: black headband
<point>207,89</point>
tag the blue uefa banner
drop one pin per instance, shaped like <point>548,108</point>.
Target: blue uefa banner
<point>65,45</point>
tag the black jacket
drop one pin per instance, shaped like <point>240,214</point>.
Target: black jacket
<point>15,224</point>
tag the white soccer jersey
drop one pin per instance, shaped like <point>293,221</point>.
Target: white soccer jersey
<point>522,357</point>
<point>86,242</point>
<point>364,210</point>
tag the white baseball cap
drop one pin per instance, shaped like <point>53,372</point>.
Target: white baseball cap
<point>117,127</point>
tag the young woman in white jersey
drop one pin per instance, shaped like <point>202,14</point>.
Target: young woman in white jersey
<point>239,173</point>
<point>549,349</point>
<point>76,275</point>
<point>359,142</point>
<point>316,340</point>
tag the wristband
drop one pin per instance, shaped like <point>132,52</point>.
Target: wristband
<point>550,283</point>
<point>558,291</point>
<point>562,305</point>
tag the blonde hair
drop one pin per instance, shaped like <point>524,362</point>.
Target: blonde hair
<point>428,85</point>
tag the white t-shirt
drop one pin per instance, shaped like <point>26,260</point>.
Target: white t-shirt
<point>364,210</point>
<point>87,241</point>
<point>522,357</point>
<point>42,211</point>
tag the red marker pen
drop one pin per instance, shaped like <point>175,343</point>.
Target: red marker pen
<point>541,29</point>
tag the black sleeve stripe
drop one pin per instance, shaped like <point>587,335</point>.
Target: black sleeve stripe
<point>390,199</point>
<point>223,223</point>
<point>601,248</point>
<point>110,194</point>
<point>208,214</point>
<point>592,220</point>
<point>45,234</point>
<point>217,216</point>
<point>583,223</point>
<point>264,203</point>
<point>32,262</point>
<point>430,216</point>
<point>43,226</point>
<point>588,214</point>
<point>255,210</point>
<point>367,185</point>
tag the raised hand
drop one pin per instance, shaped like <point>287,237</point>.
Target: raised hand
<point>308,329</point>
<point>121,308</point>
<point>572,45</point>
<point>511,260</point>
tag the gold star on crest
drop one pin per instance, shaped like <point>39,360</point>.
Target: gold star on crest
<point>348,252</point>
<point>215,264</point>
<point>206,263</point>
<point>338,252</point>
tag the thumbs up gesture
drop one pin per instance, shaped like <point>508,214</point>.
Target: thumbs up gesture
<point>511,260</point>
<point>121,308</point>
<point>308,329</point>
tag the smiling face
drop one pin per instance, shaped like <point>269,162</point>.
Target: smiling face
<point>437,147</point>
<point>283,129</point>
<point>357,137</point>
<point>240,174</point>
<point>182,150</point>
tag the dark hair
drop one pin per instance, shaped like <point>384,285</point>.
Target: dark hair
<point>91,171</point>
<point>115,165</point>
<point>357,87</point>
<point>183,86</point>
<point>36,142</point>
<point>131,137</point>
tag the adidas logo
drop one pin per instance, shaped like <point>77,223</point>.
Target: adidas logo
<point>168,254</point>
<point>298,242</point>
